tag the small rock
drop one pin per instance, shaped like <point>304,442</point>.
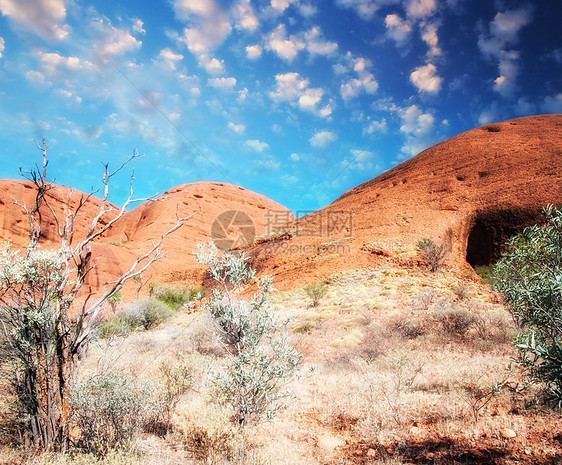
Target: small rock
<point>507,433</point>
<point>415,430</point>
<point>329,442</point>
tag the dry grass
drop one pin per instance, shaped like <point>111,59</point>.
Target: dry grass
<point>399,366</point>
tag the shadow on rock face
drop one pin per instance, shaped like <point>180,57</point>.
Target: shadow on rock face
<point>492,228</point>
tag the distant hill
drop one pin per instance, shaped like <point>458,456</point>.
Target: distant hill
<point>221,212</point>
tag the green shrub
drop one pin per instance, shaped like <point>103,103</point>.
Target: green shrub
<point>147,313</point>
<point>529,274</point>
<point>432,254</point>
<point>174,298</point>
<point>113,326</point>
<point>316,292</point>
<point>115,299</point>
<point>260,357</point>
<point>484,271</point>
<point>109,409</point>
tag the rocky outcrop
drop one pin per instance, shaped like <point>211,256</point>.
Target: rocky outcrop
<point>472,192</point>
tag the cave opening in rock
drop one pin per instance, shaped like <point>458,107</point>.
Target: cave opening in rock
<point>479,249</point>
<point>490,230</point>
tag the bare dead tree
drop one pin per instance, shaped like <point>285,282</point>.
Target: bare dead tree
<point>45,328</point>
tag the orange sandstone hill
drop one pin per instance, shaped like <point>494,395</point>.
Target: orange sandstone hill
<point>221,212</point>
<point>229,215</point>
<point>471,192</point>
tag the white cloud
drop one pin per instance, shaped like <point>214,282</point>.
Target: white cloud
<point>286,48</point>
<point>281,5</point>
<point>364,80</point>
<point>397,28</point>
<point>375,126</point>
<point>186,8</point>
<point>290,87</point>
<point>418,127</point>
<point>415,122</point>
<point>46,18</point>
<point>360,160</point>
<point>420,9</point>
<point>138,27</point>
<point>426,79</point>
<point>55,64</point>
<point>505,83</point>
<point>506,26</point>
<point>322,139</point>
<point>316,45</point>
<point>365,8</point>
<point>326,110</point>
<point>430,37</point>
<point>360,64</point>
<point>353,87</point>
<point>236,128</point>
<point>253,52</point>
<point>268,163</point>
<point>256,145</point>
<point>169,58</point>
<point>295,157</point>
<point>190,84</point>
<point>307,10</point>
<point>552,104</point>
<point>242,94</point>
<point>310,99</point>
<point>489,116</point>
<point>361,155</point>
<point>503,32</point>
<point>212,65</point>
<point>222,83</point>
<point>209,25</point>
<point>35,77</point>
<point>524,107</point>
<point>111,41</point>
<point>339,68</point>
<point>2,46</point>
<point>289,179</point>
<point>245,16</point>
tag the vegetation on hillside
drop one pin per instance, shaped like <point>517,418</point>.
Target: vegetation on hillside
<point>529,275</point>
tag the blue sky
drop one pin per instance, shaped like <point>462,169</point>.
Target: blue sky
<point>298,100</point>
